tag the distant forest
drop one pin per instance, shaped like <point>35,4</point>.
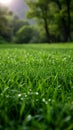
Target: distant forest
<point>52,21</point>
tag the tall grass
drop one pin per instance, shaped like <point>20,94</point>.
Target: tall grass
<point>36,87</point>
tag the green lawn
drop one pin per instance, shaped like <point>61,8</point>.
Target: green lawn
<point>36,87</point>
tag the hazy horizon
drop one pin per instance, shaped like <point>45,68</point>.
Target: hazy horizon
<point>18,7</point>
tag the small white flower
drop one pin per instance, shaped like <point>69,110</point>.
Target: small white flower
<point>19,95</point>
<point>25,95</point>
<point>22,99</point>
<point>37,93</point>
<point>43,100</point>
<point>29,117</point>
<point>30,90</point>
<point>49,100</point>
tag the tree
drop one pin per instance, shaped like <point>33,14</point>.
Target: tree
<point>24,34</point>
<point>64,17</point>
<point>18,23</point>
<point>6,23</point>
<point>40,10</point>
<point>28,34</point>
<point>55,15</point>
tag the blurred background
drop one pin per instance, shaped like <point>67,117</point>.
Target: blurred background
<point>36,21</point>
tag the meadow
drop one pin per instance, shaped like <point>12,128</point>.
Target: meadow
<point>36,87</point>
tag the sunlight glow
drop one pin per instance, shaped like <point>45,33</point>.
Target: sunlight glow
<point>5,2</point>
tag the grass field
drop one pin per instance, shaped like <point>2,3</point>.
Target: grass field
<point>36,87</point>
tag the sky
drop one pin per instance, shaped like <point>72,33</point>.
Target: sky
<point>18,7</point>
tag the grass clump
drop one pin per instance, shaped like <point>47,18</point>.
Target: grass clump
<point>36,87</point>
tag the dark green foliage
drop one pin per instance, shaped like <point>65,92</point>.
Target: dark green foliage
<point>24,34</point>
<point>18,23</point>
<point>2,40</point>
<point>6,23</point>
<point>55,16</point>
<point>28,34</point>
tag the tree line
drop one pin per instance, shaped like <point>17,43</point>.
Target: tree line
<point>52,22</point>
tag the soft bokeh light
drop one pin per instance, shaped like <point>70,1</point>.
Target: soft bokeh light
<point>5,2</point>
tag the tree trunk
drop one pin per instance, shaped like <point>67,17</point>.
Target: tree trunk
<point>66,23</point>
<point>68,18</point>
<point>47,30</point>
